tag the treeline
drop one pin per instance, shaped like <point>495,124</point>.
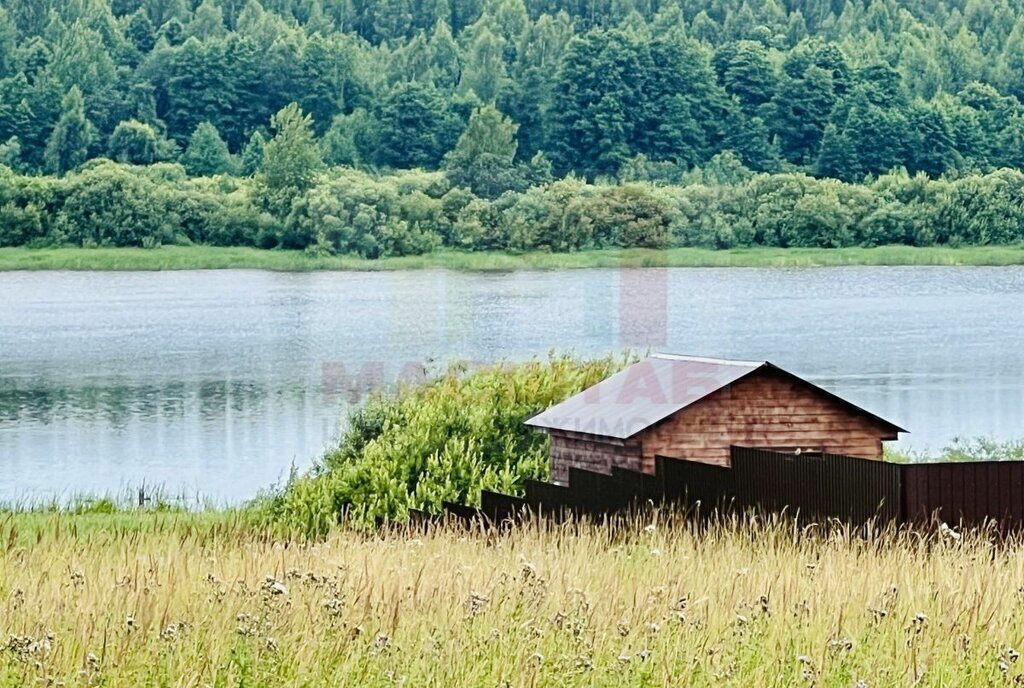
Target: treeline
<point>347,211</point>
<point>594,87</point>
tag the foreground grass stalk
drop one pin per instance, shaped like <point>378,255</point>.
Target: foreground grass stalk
<point>207,600</point>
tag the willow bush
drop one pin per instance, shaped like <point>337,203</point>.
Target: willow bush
<point>443,440</point>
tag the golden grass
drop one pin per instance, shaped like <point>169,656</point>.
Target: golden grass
<point>204,600</point>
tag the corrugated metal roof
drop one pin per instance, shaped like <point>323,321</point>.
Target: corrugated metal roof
<point>651,390</point>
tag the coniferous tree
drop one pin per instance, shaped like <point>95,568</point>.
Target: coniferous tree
<point>207,154</point>
<point>140,32</point>
<point>252,154</point>
<point>68,145</point>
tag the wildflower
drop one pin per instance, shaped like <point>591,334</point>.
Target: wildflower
<point>476,603</point>
<point>528,571</point>
<point>840,645</point>
<point>642,655</point>
<point>803,659</point>
<point>537,658</point>
<point>92,660</point>
<point>274,586</point>
<point>653,627</point>
<point>860,683</point>
<point>382,641</point>
<point>650,528</point>
<point>741,620</point>
<point>171,631</point>
<point>129,621</point>
<point>584,664</point>
<point>77,578</point>
<point>625,659</point>
<point>271,644</point>
<point>949,533</point>
<point>1011,654</point>
<point>655,552</point>
<point>334,606</point>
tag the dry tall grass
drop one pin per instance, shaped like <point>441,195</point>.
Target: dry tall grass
<point>205,600</point>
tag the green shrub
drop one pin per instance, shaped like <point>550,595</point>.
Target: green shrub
<point>112,205</point>
<point>444,440</point>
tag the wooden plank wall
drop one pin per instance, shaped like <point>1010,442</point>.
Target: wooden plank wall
<point>572,450</point>
<point>768,410</point>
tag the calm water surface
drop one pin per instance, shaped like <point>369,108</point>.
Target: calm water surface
<point>217,382</point>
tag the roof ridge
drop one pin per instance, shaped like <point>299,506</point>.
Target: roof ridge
<point>705,359</point>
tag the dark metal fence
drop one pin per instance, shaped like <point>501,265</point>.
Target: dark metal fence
<point>810,486</point>
<point>972,493</point>
<point>818,486</point>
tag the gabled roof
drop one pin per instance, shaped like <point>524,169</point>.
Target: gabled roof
<point>653,389</point>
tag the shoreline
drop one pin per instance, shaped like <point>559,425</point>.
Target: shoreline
<point>241,258</point>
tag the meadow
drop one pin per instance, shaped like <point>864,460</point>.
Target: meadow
<point>209,599</point>
<point>220,258</point>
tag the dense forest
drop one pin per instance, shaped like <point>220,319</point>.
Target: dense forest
<point>398,126</point>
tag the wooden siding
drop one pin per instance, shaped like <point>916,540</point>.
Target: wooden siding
<point>766,410</point>
<point>592,453</point>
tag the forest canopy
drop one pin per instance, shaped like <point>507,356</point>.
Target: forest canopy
<point>396,126</point>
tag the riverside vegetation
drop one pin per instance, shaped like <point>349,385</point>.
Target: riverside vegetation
<point>400,128</point>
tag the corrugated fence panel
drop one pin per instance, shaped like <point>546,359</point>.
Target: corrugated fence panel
<point>501,507</point>
<point>965,493</point>
<point>818,486</point>
<point>690,482</point>
<point>547,499</point>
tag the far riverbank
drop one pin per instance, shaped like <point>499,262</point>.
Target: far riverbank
<point>222,258</point>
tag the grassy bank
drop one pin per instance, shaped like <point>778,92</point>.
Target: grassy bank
<point>202,599</point>
<point>217,258</point>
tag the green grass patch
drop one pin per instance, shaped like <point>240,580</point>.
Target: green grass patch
<point>224,258</point>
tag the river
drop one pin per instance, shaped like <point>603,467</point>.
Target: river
<point>213,384</point>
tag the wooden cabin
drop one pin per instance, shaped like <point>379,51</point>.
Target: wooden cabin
<point>697,408</point>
